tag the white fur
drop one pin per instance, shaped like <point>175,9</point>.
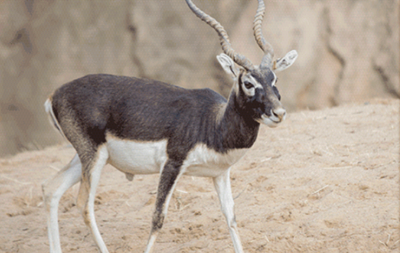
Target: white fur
<point>273,121</point>
<point>205,162</point>
<point>256,85</point>
<point>228,65</point>
<point>286,61</point>
<point>274,81</point>
<point>150,243</point>
<point>53,121</point>
<point>135,157</point>
<point>255,82</point>
<point>52,192</point>
<point>95,178</point>
<point>249,92</point>
<point>222,185</point>
<point>269,121</point>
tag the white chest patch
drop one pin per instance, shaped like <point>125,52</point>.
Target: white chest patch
<point>204,162</point>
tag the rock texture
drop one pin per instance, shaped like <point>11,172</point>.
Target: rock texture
<point>348,51</point>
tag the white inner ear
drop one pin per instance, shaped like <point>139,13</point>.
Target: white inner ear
<point>286,61</point>
<point>228,65</point>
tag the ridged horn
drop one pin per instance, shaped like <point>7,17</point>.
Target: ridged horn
<point>257,24</point>
<point>223,37</point>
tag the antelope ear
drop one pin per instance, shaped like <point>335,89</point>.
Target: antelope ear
<point>286,61</point>
<point>228,65</point>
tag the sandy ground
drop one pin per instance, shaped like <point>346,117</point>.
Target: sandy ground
<point>324,181</point>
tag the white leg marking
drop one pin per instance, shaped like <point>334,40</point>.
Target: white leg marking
<point>52,193</point>
<point>95,178</point>
<point>151,242</point>
<point>169,196</point>
<point>223,187</point>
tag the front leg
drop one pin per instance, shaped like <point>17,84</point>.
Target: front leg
<point>168,179</point>
<point>222,184</point>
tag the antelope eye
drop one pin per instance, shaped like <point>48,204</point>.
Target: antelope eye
<point>248,85</point>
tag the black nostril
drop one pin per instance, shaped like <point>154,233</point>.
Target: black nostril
<point>279,113</point>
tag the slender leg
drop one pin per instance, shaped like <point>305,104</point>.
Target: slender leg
<point>223,186</point>
<point>53,190</point>
<point>87,192</point>
<point>168,179</point>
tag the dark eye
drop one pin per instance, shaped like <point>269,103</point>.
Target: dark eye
<point>248,85</point>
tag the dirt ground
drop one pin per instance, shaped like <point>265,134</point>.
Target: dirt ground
<point>324,181</point>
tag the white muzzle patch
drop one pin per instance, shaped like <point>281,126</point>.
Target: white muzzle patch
<point>271,121</point>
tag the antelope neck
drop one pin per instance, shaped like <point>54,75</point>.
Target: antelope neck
<point>236,128</point>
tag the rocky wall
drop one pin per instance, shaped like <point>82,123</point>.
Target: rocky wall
<point>348,51</point>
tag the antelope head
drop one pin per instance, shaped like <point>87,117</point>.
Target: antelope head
<point>254,87</point>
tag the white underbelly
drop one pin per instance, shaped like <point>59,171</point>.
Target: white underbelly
<point>136,157</point>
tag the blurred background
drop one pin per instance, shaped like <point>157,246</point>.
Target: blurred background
<point>348,51</point>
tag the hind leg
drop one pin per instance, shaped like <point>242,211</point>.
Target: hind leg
<point>90,178</point>
<point>53,190</point>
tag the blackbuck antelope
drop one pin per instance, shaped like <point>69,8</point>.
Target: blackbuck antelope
<point>143,127</point>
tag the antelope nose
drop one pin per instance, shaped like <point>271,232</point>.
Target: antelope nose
<point>280,113</point>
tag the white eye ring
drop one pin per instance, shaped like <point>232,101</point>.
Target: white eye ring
<point>249,91</point>
<point>248,85</point>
